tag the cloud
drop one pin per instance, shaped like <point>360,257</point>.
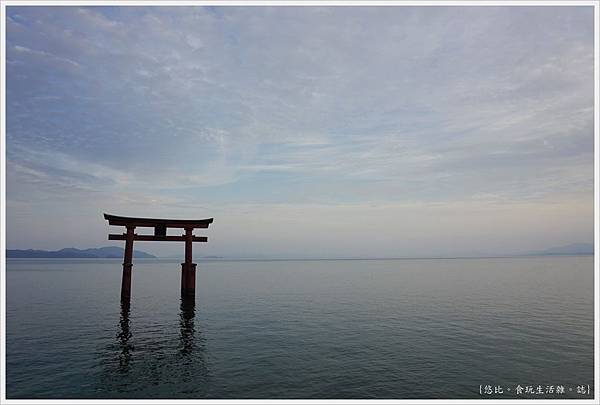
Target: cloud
<point>302,105</point>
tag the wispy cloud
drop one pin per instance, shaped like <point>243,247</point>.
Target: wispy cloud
<point>299,105</point>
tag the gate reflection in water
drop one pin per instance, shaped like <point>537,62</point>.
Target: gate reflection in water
<point>140,368</point>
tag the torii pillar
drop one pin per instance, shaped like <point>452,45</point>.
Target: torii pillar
<point>188,269</point>
<point>127,264</point>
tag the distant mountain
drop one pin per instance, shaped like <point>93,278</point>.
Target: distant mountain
<point>573,249</point>
<point>108,252</point>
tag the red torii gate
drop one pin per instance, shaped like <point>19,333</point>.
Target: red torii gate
<point>188,269</point>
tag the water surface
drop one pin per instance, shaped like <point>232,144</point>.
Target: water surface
<point>440,328</point>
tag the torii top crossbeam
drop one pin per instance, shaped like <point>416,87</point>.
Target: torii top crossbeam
<point>154,222</point>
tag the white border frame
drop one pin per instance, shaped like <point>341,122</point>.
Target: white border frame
<point>3,5</point>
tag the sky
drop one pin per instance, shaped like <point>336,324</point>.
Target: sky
<point>304,131</point>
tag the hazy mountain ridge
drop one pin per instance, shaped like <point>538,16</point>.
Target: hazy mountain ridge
<point>107,252</point>
<point>572,249</point>
<point>114,252</point>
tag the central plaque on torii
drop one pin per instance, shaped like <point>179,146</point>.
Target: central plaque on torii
<point>188,269</point>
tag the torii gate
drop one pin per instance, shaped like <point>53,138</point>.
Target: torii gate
<point>188,269</point>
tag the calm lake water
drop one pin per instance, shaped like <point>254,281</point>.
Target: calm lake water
<point>301,329</point>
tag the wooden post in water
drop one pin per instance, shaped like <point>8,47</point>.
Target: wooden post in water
<point>188,269</point>
<point>127,265</point>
